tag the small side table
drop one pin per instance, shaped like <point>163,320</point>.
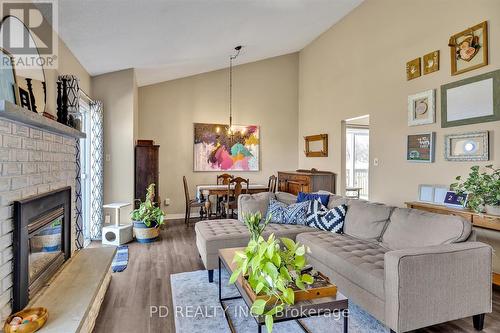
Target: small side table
<point>117,234</point>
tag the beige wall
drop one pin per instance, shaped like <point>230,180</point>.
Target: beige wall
<point>116,91</point>
<point>358,67</point>
<point>265,94</point>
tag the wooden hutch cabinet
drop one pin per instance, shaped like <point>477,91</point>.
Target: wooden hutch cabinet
<point>306,181</point>
<point>146,168</point>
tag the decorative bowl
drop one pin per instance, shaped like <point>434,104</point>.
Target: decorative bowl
<point>31,326</point>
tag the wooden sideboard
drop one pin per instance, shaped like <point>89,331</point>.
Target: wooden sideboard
<point>486,221</point>
<point>306,181</point>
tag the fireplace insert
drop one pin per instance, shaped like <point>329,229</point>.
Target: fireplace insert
<point>42,241</point>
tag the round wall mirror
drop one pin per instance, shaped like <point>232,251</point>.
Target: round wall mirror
<point>31,90</point>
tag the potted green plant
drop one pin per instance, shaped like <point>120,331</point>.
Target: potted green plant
<point>255,225</point>
<point>147,218</point>
<point>483,189</point>
<point>271,270</point>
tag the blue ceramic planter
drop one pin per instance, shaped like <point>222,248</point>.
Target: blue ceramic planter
<point>144,234</point>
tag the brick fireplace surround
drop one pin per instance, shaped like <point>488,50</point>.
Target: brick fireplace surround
<point>34,159</point>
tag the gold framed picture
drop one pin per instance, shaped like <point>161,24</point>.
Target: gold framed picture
<point>413,69</point>
<point>469,49</point>
<point>431,62</point>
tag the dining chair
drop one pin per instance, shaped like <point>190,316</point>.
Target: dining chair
<point>189,202</point>
<point>234,189</point>
<point>222,179</point>
<point>272,183</point>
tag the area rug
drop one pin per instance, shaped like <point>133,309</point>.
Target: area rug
<point>120,261</point>
<point>196,309</point>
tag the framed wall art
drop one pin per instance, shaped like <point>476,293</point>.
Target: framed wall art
<point>431,62</point>
<point>472,146</point>
<point>316,145</point>
<point>217,149</point>
<point>469,49</point>
<point>8,88</point>
<point>420,147</point>
<point>472,100</point>
<point>422,108</point>
<point>413,69</point>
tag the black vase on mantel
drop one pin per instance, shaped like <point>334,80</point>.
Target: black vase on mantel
<point>62,101</point>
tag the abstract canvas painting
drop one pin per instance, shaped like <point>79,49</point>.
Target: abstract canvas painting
<point>217,149</point>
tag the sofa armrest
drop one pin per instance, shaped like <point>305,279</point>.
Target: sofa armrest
<point>435,284</point>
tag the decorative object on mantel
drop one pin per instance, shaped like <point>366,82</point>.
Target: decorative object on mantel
<point>147,218</point>
<point>471,146</point>
<point>8,84</point>
<point>26,321</point>
<point>413,69</point>
<point>431,62</point>
<point>68,99</point>
<point>34,90</point>
<point>420,147</point>
<point>471,101</point>
<point>311,145</point>
<point>483,189</point>
<point>469,49</point>
<point>422,108</point>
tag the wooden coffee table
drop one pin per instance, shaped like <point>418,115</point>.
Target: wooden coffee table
<point>303,309</point>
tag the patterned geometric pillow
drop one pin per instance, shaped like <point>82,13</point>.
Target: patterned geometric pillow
<point>320,217</point>
<point>287,214</point>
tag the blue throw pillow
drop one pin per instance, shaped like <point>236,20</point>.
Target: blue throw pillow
<point>320,217</point>
<point>301,197</point>
<point>287,214</point>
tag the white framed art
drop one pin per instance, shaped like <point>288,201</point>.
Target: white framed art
<point>422,108</point>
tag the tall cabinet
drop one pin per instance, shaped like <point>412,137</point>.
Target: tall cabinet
<point>146,168</point>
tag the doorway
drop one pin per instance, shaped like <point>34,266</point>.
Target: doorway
<point>357,156</point>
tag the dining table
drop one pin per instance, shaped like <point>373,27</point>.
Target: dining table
<point>204,191</point>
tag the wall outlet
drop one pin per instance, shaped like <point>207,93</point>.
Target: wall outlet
<point>375,161</point>
<point>107,219</point>
<point>167,202</point>
<point>108,157</point>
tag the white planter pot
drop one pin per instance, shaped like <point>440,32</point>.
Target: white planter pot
<point>492,210</point>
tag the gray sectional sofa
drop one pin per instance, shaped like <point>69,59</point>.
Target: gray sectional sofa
<point>408,268</point>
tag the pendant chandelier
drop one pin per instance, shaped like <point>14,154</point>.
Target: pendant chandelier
<point>231,58</point>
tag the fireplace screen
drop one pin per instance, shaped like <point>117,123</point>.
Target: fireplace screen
<point>45,243</point>
<point>42,242</point>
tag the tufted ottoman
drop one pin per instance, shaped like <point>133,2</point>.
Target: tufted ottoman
<point>220,234</point>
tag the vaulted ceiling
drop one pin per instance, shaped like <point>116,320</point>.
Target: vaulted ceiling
<point>168,39</point>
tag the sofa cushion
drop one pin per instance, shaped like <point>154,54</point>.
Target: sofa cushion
<point>253,203</point>
<point>359,261</point>
<point>280,212</point>
<point>286,197</point>
<point>301,197</point>
<point>322,218</point>
<point>334,200</point>
<point>366,220</point>
<point>416,228</point>
<point>219,234</point>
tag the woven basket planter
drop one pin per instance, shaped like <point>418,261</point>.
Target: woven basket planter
<point>144,234</point>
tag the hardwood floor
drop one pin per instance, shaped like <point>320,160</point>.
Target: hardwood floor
<point>146,282</point>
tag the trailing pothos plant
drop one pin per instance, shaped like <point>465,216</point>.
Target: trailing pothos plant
<point>483,187</point>
<point>148,213</point>
<point>272,270</point>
